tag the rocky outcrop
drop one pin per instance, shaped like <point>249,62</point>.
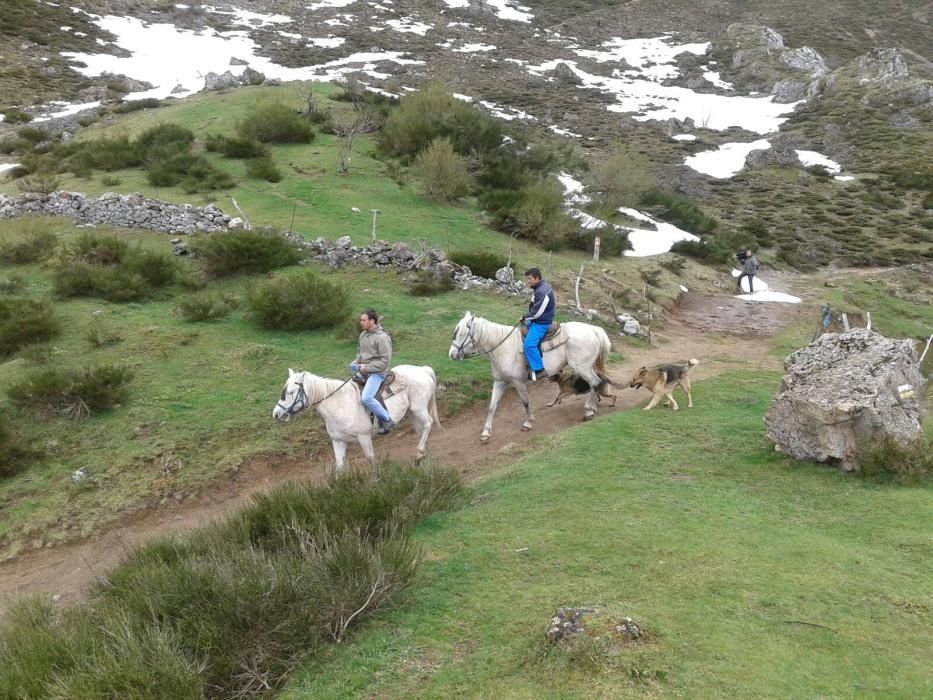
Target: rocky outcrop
<point>121,210</point>
<point>843,389</point>
<point>760,61</point>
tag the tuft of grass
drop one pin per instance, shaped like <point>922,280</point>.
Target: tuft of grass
<point>300,300</point>
<point>887,458</point>
<point>205,306</point>
<point>75,394</point>
<point>243,251</point>
<point>24,322</point>
<point>29,240</point>
<point>263,169</point>
<point>275,122</point>
<point>101,334</point>
<point>16,455</point>
<point>236,146</point>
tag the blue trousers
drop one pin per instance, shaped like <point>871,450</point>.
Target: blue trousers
<point>373,382</point>
<point>536,331</point>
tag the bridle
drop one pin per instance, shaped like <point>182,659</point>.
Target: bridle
<point>472,339</point>
<point>300,402</point>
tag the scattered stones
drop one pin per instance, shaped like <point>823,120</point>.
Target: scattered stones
<point>566,623</point>
<point>629,629</point>
<point>630,324</point>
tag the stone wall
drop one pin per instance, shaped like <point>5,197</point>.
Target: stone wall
<point>123,210</point>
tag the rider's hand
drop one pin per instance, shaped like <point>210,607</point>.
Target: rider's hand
<point>354,367</point>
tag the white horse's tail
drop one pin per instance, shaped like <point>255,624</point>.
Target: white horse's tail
<point>433,407</point>
<point>602,371</point>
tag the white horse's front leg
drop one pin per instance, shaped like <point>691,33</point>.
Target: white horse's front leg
<point>498,389</point>
<point>522,390</point>
<point>366,443</point>
<point>340,452</point>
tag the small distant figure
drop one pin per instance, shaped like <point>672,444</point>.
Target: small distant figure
<point>749,269</point>
<point>827,316</point>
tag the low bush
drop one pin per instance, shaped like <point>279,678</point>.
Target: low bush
<point>31,240</point>
<point>428,283</point>
<point>442,171</point>
<point>300,300</point>
<point>275,122</point>
<point>230,610</point>
<point>192,172</point>
<point>98,248</point>
<point>24,322</point>
<point>888,458</point>
<point>263,169</point>
<point>14,115</point>
<point>75,394</point>
<point>482,263</point>
<point>245,251</point>
<point>236,146</point>
<point>11,284</point>
<point>158,268</point>
<point>675,264</point>
<point>679,210</point>
<point>136,105</point>
<point>204,306</point>
<point>15,454</point>
<point>611,242</point>
<point>100,333</point>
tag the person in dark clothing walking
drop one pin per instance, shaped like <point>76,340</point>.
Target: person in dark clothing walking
<point>539,318</point>
<point>749,269</point>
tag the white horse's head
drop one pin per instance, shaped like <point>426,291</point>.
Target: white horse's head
<point>294,397</point>
<point>463,343</point>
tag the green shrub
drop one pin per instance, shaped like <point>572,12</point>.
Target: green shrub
<point>108,154</point>
<point>41,181</point>
<point>32,242</point>
<point>136,105</point>
<point>888,458</point>
<point>24,322</point>
<point>119,284</point>
<point>97,248</point>
<point>482,263</point>
<point>100,333</point>
<point>675,264</point>
<point>245,251</point>
<point>109,181</point>
<point>428,283</point>
<point>442,171</point>
<point>263,169</point>
<point>431,113</point>
<point>611,242</point>
<point>300,300</point>
<point>158,268</point>
<point>236,146</point>
<point>11,284</point>
<point>14,115</point>
<point>73,393</point>
<point>275,122</point>
<point>32,135</point>
<point>541,202</point>
<point>15,454</point>
<point>164,139</point>
<point>680,211</point>
<point>205,306</point>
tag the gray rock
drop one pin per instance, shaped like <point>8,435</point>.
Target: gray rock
<point>234,61</point>
<point>344,242</point>
<point>252,76</point>
<point>843,389</point>
<point>213,81</point>
<point>564,73</point>
<point>630,324</point>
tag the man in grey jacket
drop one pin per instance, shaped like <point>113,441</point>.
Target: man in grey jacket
<point>373,361</point>
<point>749,269</point>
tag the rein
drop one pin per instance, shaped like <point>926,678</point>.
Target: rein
<point>470,336</point>
<point>302,398</point>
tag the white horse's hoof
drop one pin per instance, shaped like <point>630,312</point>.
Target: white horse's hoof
<point>526,428</point>
<point>484,439</point>
<point>588,417</point>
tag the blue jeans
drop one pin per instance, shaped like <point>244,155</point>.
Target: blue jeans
<point>373,382</point>
<point>536,331</point>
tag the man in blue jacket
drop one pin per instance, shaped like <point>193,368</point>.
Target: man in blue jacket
<point>538,319</point>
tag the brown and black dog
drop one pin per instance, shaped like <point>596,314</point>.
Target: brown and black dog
<point>569,384</point>
<point>663,380</point>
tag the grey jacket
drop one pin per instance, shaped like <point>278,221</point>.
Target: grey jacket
<point>750,266</point>
<point>375,351</point>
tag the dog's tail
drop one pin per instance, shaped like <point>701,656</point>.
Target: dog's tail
<point>693,362</point>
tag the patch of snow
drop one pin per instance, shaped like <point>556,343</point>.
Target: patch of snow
<point>684,137</point>
<point>712,76</point>
<point>811,158</point>
<point>648,99</point>
<point>473,48</point>
<point>462,98</point>
<point>503,9</point>
<point>684,289</point>
<point>194,54</point>
<point>646,242</point>
<point>330,3</point>
<point>573,188</point>
<point>250,19</point>
<point>651,58</point>
<point>844,178</point>
<point>500,112</point>
<point>727,160</point>
<point>66,110</point>
<point>331,42</point>
<point>780,297</point>
<point>7,166</point>
<point>291,35</point>
<point>342,21</point>
<point>408,25</point>
<point>564,132</point>
<point>65,28</point>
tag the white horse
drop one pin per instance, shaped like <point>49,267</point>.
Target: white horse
<point>345,417</point>
<point>585,351</point>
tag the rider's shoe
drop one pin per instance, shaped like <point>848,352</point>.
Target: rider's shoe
<point>386,426</point>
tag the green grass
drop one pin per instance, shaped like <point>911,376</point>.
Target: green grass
<point>756,577</point>
<point>202,393</point>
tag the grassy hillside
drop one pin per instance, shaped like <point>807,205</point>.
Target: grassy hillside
<point>753,576</point>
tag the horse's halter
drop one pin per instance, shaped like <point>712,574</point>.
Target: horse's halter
<point>299,403</point>
<point>469,339</point>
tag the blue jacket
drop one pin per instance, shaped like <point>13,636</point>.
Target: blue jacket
<point>541,309</point>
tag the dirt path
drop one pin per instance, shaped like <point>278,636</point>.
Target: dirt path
<point>724,333</point>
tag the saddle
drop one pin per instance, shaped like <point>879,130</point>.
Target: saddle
<point>554,338</point>
<point>384,390</point>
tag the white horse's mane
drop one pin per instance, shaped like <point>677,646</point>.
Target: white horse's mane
<point>319,387</point>
<point>489,333</point>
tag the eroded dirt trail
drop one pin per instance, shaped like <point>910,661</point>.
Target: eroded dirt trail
<point>724,333</point>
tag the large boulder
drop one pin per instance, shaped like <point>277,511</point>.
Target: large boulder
<point>842,389</point>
